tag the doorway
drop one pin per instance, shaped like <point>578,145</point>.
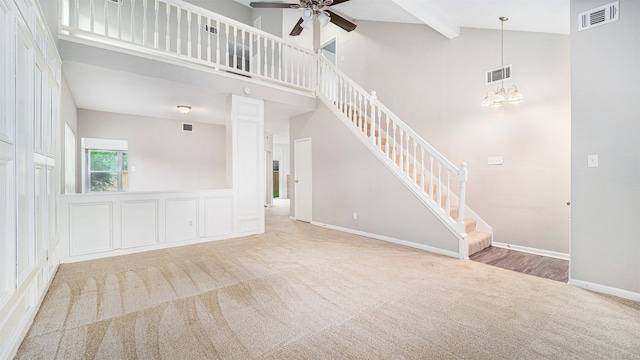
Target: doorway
<point>329,50</point>
<point>302,179</point>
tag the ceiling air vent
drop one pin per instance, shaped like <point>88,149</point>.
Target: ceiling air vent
<point>598,16</point>
<point>494,75</point>
<point>187,127</point>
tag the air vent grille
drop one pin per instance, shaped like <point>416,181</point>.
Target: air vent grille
<point>211,29</point>
<point>498,74</point>
<point>187,127</point>
<point>599,16</point>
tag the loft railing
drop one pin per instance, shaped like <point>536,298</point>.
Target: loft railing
<point>418,164</point>
<point>193,34</point>
<point>181,30</point>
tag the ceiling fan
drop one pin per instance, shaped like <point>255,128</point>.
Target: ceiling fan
<point>310,8</point>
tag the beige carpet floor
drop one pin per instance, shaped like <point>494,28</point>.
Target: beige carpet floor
<point>304,292</point>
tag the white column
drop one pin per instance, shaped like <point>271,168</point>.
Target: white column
<point>245,154</point>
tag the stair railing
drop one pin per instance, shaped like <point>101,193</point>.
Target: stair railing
<point>420,165</point>
<point>175,27</point>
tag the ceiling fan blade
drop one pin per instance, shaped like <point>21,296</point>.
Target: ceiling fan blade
<point>297,29</point>
<point>341,22</point>
<point>273,5</point>
<point>336,2</point>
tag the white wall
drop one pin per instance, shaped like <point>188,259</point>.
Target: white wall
<point>68,115</point>
<point>348,178</point>
<point>605,207</point>
<point>436,85</point>
<point>165,157</point>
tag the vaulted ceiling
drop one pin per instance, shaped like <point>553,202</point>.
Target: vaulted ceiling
<point>448,16</point>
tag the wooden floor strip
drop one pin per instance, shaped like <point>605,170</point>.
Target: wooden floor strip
<point>536,265</point>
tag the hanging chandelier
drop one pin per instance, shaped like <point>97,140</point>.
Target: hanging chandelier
<point>501,96</point>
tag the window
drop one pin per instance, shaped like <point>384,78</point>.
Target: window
<point>108,170</point>
<point>105,165</point>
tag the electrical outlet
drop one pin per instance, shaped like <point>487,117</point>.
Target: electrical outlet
<point>592,160</point>
<point>494,160</point>
<point>190,223</point>
<point>355,216</point>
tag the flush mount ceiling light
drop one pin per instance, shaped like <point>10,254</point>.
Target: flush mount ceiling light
<point>184,108</point>
<point>502,96</point>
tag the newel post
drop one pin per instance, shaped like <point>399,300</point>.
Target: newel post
<point>463,247</point>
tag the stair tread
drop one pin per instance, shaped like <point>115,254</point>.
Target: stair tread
<point>477,241</point>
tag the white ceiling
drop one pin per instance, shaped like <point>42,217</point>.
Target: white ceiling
<point>548,16</point>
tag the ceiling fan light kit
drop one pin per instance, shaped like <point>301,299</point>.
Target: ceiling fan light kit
<point>311,9</point>
<point>502,96</point>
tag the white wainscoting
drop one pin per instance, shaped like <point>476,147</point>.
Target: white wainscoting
<point>102,225</point>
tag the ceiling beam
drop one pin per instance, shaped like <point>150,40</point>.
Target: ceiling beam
<point>426,13</point>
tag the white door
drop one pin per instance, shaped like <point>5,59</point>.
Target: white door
<point>302,179</point>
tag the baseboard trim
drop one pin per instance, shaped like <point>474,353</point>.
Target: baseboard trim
<point>389,239</point>
<point>547,253</point>
<point>625,294</point>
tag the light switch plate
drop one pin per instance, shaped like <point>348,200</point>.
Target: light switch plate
<point>592,160</point>
<point>494,160</point>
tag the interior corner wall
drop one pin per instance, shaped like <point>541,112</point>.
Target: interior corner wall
<point>228,8</point>
<point>435,85</point>
<point>605,204</point>
<point>347,178</point>
<point>68,115</point>
<point>165,157</point>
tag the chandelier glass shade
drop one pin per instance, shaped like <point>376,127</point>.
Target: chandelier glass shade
<point>501,96</point>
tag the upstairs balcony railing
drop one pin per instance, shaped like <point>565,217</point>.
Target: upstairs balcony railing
<point>193,34</point>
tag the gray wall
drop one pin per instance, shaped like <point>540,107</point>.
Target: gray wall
<point>348,178</point>
<point>271,20</point>
<point>228,8</point>
<point>436,85</point>
<point>165,157</point>
<point>605,210</point>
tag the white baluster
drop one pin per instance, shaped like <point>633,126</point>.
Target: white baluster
<point>406,158</point>
<point>415,162</point>
<point>251,65</point>
<point>179,32</point>
<point>133,20</point>
<point>422,169</point>
<point>208,39</point>
<point>156,27</point>
<point>244,58</point>
<point>431,192</point>
<point>189,33</point>
<point>266,61</point>
<point>462,198</point>
<point>168,35</point>
<point>235,48</point>
<point>199,31</point>
<point>439,184</point>
<point>273,60</point>
<point>226,45</point>
<point>286,63</point>
<point>259,50</point>
<point>299,80</point>
<point>105,18</point>
<point>386,150</point>
<point>119,20</point>
<point>280,61</point>
<point>448,203</point>
<point>144,22</point>
<point>91,15</point>
<point>393,150</point>
<point>218,44</point>
<point>76,15</point>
